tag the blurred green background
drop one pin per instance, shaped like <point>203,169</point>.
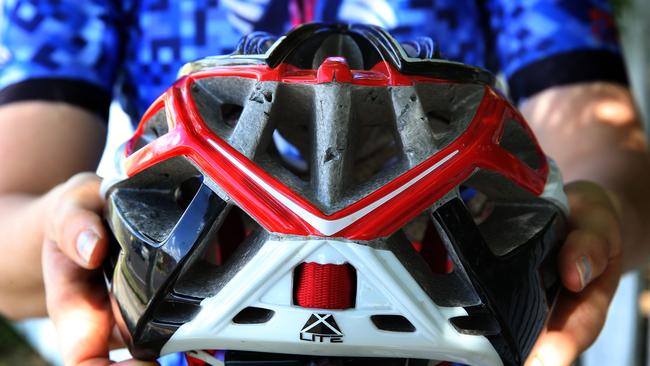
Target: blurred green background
<point>14,350</point>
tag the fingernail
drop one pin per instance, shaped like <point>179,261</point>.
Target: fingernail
<point>584,269</point>
<point>86,242</point>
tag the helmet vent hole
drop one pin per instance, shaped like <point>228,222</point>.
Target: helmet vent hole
<point>186,191</point>
<point>253,315</point>
<point>230,114</point>
<point>507,216</point>
<point>155,127</point>
<point>220,101</point>
<point>153,201</point>
<point>377,151</point>
<point>447,110</point>
<point>290,151</point>
<point>231,234</point>
<point>518,140</point>
<point>439,122</point>
<point>427,242</point>
<point>176,312</point>
<point>478,203</point>
<point>441,127</point>
<point>476,324</point>
<point>392,323</point>
<point>234,237</point>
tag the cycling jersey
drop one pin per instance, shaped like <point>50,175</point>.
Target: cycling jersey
<point>85,52</point>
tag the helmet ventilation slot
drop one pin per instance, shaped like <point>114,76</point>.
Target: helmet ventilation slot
<point>233,237</point>
<point>439,123</point>
<point>510,216</point>
<point>231,234</point>
<point>154,200</point>
<point>253,315</point>
<point>518,140</point>
<point>376,146</point>
<point>444,128</point>
<point>176,312</point>
<point>482,324</point>
<point>426,241</point>
<point>448,109</point>
<point>286,152</point>
<point>155,127</point>
<point>221,113</point>
<point>376,150</point>
<point>230,114</point>
<point>311,54</point>
<point>185,192</point>
<point>393,323</point>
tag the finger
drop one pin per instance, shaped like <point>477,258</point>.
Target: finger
<point>78,305</point>
<point>116,341</point>
<point>76,225</point>
<point>83,238</point>
<point>576,320</point>
<point>583,258</point>
<point>592,209</point>
<point>553,348</point>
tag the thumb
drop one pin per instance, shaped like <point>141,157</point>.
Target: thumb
<point>78,305</point>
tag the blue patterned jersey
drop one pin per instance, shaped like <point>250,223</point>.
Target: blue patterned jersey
<point>87,51</point>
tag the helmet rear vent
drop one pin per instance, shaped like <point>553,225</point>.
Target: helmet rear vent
<point>155,127</point>
<point>376,154</point>
<point>253,315</point>
<point>393,323</point>
<point>476,324</point>
<point>185,192</point>
<point>506,215</point>
<point>288,155</point>
<point>232,232</point>
<point>426,241</point>
<point>377,151</point>
<point>220,102</point>
<point>230,114</point>
<point>153,201</point>
<point>439,123</point>
<point>447,108</point>
<point>176,312</point>
<point>234,237</point>
<point>517,140</point>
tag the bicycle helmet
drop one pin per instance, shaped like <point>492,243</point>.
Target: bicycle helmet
<point>333,198</point>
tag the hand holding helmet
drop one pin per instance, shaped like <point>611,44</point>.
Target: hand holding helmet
<point>590,265</point>
<point>74,247</point>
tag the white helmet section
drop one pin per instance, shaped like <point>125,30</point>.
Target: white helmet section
<point>111,165</point>
<point>113,173</point>
<point>384,287</point>
<point>554,187</point>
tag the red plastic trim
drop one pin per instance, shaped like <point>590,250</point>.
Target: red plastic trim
<point>189,136</point>
<point>382,74</point>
